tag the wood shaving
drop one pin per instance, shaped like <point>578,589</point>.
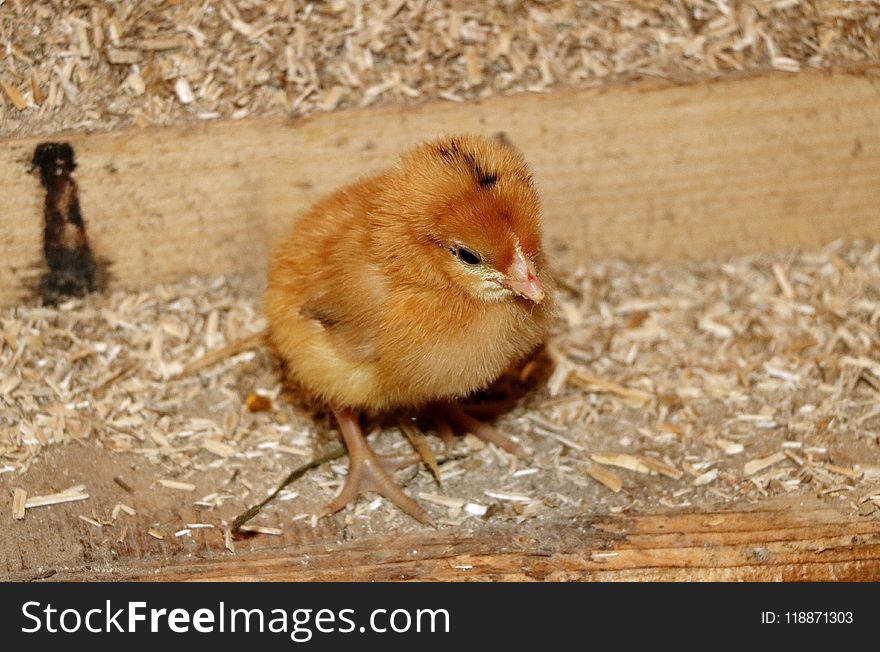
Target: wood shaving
<point>608,478</point>
<point>661,467</point>
<point>623,461</point>
<point>19,503</point>
<point>89,520</point>
<point>593,383</point>
<point>180,486</point>
<point>105,65</point>
<point>443,501</point>
<point>509,497</point>
<point>754,466</point>
<point>476,509</point>
<point>72,495</point>
<point>262,529</point>
<point>14,95</point>
<point>258,403</point>
<point>705,478</point>
<point>710,423</point>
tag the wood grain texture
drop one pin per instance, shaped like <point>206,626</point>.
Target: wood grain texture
<point>780,541</point>
<point>787,538</point>
<point>660,171</point>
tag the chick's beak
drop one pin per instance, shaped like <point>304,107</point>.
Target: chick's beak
<point>523,279</point>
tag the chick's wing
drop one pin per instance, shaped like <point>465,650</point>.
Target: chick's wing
<point>349,329</point>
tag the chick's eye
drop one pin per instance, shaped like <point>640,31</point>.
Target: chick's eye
<point>466,256</point>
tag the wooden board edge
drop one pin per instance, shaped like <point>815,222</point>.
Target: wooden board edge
<point>779,540</point>
<point>708,168</point>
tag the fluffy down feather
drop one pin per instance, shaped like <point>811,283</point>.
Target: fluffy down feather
<point>420,284</point>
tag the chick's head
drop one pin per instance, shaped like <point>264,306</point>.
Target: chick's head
<point>468,204</point>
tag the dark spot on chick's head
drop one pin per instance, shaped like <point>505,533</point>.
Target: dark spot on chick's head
<point>486,179</point>
<point>454,153</point>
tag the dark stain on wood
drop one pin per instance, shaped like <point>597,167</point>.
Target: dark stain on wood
<point>66,249</point>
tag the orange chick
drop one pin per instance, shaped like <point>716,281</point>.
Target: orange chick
<point>409,289</point>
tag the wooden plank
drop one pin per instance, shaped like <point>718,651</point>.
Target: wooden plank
<point>676,172</point>
<point>781,541</point>
<point>786,538</point>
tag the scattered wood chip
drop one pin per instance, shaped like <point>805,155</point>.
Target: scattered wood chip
<point>177,484</point>
<point>604,476</point>
<point>595,384</point>
<point>183,90</point>
<point>332,98</point>
<point>443,501</point>
<point>754,466</point>
<point>19,502</point>
<point>121,57</point>
<point>37,92</point>
<point>729,447</point>
<point>798,374</point>
<point>90,520</point>
<point>71,495</point>
<point>476,509</point>
<point>559,377</point>
<point>14,95</point>
<point>852,474</point>
<point>705,478</point>
<point>258,403</point>
<point>868,471</point>
<point>122,483</point>
<point>261,58</point>
<point>566,441</point>
<point>509,497</point>
<point>262,529</point>
<point>782,374</point>
<point>621,460</point>
<point>786,63</point>
<point>230,350</point>
<point>716,329</point>
<point>162,43</point>
<point>112,378</point>
<point>218,448</point>
<point>661,467</point>
<point>784,285</point>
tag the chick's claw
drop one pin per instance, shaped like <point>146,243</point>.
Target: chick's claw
<point>449,416</point>
<point>370,472</point>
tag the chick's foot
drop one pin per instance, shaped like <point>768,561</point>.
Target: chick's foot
<point>449,418</point>
<point>369,472</point>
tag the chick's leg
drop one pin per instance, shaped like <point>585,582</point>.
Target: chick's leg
<point>448,415</point>
<point>368,472</point>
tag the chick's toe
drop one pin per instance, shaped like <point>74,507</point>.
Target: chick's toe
<point>370,472</point>
<point>449,418</point>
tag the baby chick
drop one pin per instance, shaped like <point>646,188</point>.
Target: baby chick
<point>412,289</point>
